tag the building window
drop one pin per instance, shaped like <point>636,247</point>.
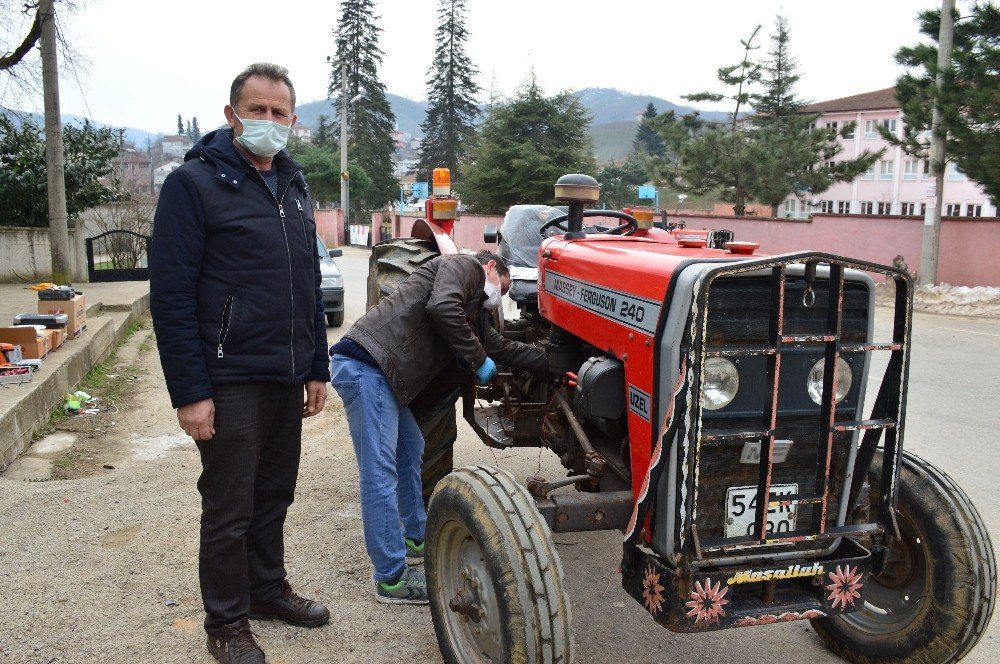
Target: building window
<point>869,174</point>
<point>843,207</point>
<point>885,208</point>
<point>953,210</point>
<point>886,169</point>
<point>926,169</point>
<point>954,173</point>
<point>866,207</point>
<point>889,126</point>
<point>906,209</point>
<point>826,206</point>
<point>973,210</point>
<point>923,209</point>
<point>812,125</point>
<point>871,128</point>
<point>851,133</point>
<point>831,125</point>
<point>910,167</point>
<point>831,165</point>
<point>790,207</point>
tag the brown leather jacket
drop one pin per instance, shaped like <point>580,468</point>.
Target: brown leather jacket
<point>426,324</point>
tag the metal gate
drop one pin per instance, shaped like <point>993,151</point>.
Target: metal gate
<point>118,256</point>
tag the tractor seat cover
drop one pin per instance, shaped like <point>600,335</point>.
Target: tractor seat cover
<point>520,237</point>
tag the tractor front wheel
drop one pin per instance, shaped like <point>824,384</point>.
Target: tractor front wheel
<point>934,599</point>
<point>493,574</point>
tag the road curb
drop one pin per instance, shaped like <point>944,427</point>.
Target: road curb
<point>34,408</point>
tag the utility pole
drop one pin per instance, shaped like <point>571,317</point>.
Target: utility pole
<point>932,219</point>
<point>54,167</point>
<point>345,184</point>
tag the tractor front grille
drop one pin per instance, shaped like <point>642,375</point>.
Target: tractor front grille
<point>775,328</point>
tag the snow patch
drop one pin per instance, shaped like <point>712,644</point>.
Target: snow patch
<point>981,301</point>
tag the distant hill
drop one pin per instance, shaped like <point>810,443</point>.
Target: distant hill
<point>610,105</point>
<point>612,129</point>
<point>409,113</point>
<point>137,137</point>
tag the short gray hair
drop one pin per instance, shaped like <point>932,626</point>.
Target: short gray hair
<point>271,72</point>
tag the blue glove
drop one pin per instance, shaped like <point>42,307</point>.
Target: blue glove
<point>485,373</point>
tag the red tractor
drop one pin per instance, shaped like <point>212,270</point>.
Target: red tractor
<point>715,407</point>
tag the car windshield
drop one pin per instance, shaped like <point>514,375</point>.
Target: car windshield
<point>321,248</point>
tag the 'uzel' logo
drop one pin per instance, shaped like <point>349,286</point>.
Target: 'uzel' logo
<point>790,572</point>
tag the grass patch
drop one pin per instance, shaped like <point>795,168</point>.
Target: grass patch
<point>67,459</point>
<point>104,380</point>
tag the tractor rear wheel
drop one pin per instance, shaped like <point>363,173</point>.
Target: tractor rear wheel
<point>934,599</point>
<point>391,262</point>
<point>495,581</point>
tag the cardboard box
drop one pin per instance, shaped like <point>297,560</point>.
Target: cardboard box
<point>10,375</point>
<point>32,347</point>
<point>75,308</point>
<point>56,338</point>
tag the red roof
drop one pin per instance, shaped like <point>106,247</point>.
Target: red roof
<point>867,101</point>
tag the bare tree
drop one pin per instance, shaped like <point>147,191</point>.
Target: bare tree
<point>124,250</point>
<point>20,65</point>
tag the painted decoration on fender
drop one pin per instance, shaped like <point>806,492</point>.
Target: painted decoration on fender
<point>635,312</point>
<point>652,590</point>
<point>845,587</point>
<point>707,601</point>
<point>638,402</point>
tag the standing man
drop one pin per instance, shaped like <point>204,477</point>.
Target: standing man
<point>426,325</point>
<point>238,312</point>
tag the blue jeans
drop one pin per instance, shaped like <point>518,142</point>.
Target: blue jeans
<point>389,446</point>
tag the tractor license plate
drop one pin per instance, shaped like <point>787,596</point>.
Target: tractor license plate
<point>741,508</point>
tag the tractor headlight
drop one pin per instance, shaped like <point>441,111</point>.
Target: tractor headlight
<point>814,381</point>
<point>719,383</point>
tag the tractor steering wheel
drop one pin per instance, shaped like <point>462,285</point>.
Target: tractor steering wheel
<point>628,228</point>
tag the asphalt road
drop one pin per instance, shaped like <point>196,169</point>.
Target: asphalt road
<point>952,421</point>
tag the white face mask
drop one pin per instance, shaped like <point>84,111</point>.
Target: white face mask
<point>263,138</point>
<point>493,294</point>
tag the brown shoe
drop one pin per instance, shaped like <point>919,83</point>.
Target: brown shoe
<point>291,608</point>
<point>235,645</point>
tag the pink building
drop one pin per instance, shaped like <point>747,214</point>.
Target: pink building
<point>897,184</point>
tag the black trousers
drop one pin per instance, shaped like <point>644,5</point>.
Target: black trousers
<point>247,483</point>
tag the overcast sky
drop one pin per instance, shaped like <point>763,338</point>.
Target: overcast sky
<point>152,59</point>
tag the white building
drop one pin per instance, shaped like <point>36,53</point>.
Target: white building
<point>897,184</point>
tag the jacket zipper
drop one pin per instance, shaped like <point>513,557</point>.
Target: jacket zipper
<point>302,220</point>
<point>288,253</point>
<point>227,316</point>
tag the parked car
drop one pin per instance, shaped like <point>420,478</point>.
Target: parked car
<point>332,286</point>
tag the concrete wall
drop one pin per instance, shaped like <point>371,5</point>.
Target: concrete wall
<point>966,257</point>
<point>26,255</point>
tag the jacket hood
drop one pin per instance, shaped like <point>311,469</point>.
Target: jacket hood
<point>217,148</point>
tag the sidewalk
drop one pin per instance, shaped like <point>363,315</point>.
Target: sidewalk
<point>111,308</point>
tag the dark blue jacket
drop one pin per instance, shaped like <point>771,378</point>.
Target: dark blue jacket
<point>234,275</point>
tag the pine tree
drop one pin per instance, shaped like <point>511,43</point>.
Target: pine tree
<point>765,158</point>
<point>187,132</point>
<point>777,102</point>
<point>619,183</point>
<point>195,131</point>
<point>449,126</point>
<point>523,147</point>
<point>370,119</point>
<point>648,142</point>
<point>969,99</point>
<point>180,125</point>
<point>324,136</point>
